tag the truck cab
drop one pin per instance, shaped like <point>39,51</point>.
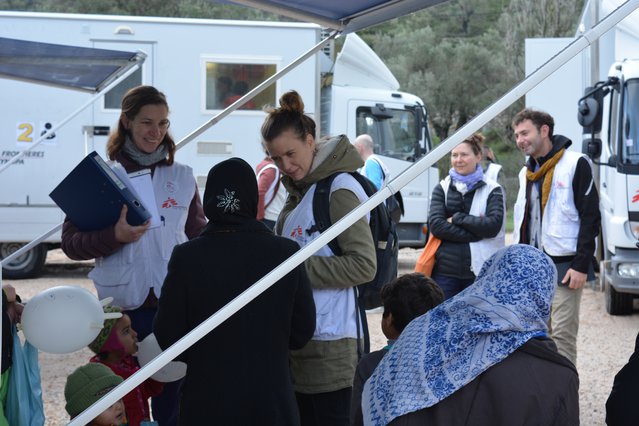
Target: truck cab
<point>609,114</point>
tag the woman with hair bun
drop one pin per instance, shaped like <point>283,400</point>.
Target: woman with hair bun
<point>468,214</point>
<point>323,369</point>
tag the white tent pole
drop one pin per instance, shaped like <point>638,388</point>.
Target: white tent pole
<point>255,91</point>
<point>248,295</point>
<point>29,246</point>
<point>55,128</point>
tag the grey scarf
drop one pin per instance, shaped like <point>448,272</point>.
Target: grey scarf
<point>142,158</point>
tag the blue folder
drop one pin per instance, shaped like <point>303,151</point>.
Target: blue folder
<point>92,196</point>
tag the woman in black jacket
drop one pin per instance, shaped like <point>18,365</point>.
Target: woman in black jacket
<point>468,214</point>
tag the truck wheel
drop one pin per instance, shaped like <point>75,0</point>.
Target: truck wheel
<point>618,303</point>
<point>26,266</point>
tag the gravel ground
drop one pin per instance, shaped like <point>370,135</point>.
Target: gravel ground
<point>605,342</point>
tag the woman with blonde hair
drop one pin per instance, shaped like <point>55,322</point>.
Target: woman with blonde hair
<point>468,214</point>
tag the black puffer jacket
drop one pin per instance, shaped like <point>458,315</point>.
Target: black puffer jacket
<point>453,256</point>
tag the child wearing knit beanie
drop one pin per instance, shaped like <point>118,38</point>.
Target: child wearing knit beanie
<point>114,347</point>
<point>85,386</point>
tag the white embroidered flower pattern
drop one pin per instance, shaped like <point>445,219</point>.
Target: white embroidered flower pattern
<point>228,201</point>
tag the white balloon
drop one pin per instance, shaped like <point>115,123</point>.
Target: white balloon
<point>63,319</point>
<point>149,349</point>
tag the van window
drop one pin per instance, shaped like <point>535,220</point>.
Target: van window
<point>393,136</point>
<point>227,82</point>
<point>629,124</point>
<point>113,98</point>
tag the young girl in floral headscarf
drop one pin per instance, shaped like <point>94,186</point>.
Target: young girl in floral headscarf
<point>114,347</point>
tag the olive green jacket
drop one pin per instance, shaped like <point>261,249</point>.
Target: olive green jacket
<point>326,366</point>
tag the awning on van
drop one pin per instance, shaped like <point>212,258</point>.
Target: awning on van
<point>342,15</point>
<point>80,68</point>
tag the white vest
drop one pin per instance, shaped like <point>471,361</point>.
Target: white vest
<point>274,199</point>
<point>560,221</point>
<point>129,273</point>
<point>492,171</point>
<point>335,308</point>
<point>481,250</point>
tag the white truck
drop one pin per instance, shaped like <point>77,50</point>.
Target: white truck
<point>609,113</point>
<point>202,66</point>
<point>608,110</point>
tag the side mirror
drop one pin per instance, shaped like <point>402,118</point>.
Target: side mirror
<point>589,108</point>
<point>587,112</point>
<point>591,147</point>
<point>612,160</point>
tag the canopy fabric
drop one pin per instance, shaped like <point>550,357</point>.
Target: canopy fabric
<point>342,15</point>
<point>81,68</point>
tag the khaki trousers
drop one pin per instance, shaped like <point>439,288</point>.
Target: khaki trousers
<point>564,321</point>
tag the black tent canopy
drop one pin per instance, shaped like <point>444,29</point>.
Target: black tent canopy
<point>342,15</point>
<point>81,68</point>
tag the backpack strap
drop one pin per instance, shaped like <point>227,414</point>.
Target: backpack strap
<point>380,167</point>
<point>321,210</point>
<point>362,324</point>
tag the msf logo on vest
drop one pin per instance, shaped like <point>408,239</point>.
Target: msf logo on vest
<point>297,234</point>
<point>169,202</point>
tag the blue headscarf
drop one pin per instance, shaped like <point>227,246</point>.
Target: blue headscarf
<point>449,346</point>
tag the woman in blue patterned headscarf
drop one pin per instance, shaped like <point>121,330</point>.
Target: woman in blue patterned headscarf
<point>482,357</point>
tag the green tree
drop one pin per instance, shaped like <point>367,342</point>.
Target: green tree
<point>462,55</point>
<point>169,8</point>
<point>543,18</point>
<point>456,77</point>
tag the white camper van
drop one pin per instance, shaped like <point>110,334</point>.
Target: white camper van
<point>202,66</point>
<point>610,136</point>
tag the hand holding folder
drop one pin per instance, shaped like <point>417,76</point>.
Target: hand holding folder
<point>126,233</point>
<point>92,196</point>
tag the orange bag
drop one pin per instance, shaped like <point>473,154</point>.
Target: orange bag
<point>426,261</point>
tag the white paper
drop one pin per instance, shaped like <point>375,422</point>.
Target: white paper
<point>142,186</point>
<point>122,175</point>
